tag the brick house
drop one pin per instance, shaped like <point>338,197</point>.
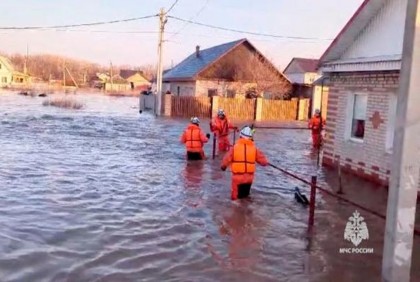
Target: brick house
<point>362,65</point>
<point>229,70</point>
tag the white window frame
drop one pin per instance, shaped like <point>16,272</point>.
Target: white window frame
<point>392,118</point>
<point>349,118</point>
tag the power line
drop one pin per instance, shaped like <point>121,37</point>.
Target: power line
<point>193,17</point>
<point>78,25</point>
<point>173,5</point>
<point>247,32</point>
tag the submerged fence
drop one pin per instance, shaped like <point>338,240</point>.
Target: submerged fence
<point>242,109</point>
<point>237,108</point>
<point>190,106</point>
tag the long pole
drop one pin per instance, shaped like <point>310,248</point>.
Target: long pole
<point>162,22</point>
<point>402,195</point>
<point>214,146</point>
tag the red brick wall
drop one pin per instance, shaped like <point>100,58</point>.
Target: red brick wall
<point>369,159</point>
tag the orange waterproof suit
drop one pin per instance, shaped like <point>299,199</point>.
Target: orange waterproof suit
<point>221,128</point>
<point>242,158</point>
<point>316,124</point>
<point>194,139</point>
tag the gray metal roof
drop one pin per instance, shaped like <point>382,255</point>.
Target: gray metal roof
<point>192,65</point>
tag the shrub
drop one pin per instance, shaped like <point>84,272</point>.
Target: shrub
<point>67,103</point>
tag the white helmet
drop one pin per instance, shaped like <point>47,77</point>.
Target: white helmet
<point>247,132</point>
<point>195,120</point>
<point>220,112</point>
<point>317,111</point>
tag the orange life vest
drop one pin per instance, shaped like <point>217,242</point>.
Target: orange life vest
<point>193,138</point>
<point>244,157</point>
<point>222,125</point>
<point>316,124</point>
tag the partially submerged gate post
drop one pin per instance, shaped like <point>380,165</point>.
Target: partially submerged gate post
<point>312,199</point>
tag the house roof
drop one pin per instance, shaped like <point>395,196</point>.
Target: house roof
<point>118,79</point>
<point>6,62</point>
<point>192,65</point>
<point>360,19</point>
<point>304,64</point>
<point>127,73</point>
<point>323,80</point>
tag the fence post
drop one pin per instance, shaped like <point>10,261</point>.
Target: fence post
<point>214,105</point>
<point>311,220</point>
<point>258,109</point>
<point>167,103</point>
<point>296,100</point>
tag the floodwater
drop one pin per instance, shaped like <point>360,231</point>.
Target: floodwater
<point>105,194</point>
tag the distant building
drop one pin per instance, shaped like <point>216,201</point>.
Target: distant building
<point>136,79</point>
<point>9,76</point>
<point>117,83</point>
<point>232,69</point>
<point>363,65</point>
<point>302,73</point>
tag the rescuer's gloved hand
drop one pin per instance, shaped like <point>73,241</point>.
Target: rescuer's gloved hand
<point>223,168</point>
<point>208,135</point>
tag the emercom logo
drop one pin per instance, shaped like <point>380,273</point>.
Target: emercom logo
<point>356,231</point>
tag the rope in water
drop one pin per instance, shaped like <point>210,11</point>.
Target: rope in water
<point>416,231</point>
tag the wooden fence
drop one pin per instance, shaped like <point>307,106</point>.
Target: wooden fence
<point>236,108</point>
<point>279,110</point>
<point>189,106</point>
<point>241,109</point>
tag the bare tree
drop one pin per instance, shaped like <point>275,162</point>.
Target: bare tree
<point>254,72</point>
<point>266,78</point>
<point>46,66</point>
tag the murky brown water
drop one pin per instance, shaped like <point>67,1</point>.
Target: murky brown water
<point>104,194</point>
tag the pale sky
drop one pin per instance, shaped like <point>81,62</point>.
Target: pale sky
<point>123,44</point>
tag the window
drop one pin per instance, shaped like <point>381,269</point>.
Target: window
<point>4,79</point>
<point>358,116</point>
<point>212,92</point>
<point>392,116</point>
<point>230,93</point>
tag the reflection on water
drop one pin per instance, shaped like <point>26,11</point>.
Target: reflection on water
<point>105,194</point>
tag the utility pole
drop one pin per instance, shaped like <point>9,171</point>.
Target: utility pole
<point>402,195</point>
<point>162,22</point>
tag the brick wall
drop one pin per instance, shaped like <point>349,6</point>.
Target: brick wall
<point>240,88</point>
<point>369,159</point>
<point>185,88</point>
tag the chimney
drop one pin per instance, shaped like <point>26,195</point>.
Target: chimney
<point>197,51</point>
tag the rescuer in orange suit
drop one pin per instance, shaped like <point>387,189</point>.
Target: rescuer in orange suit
<point>316,124</point>
<point>220,125</point>
<point>242,158</point>
<point>193,138</point>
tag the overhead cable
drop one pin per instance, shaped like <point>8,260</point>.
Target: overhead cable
<point>77,25</point>
<point>248,32</point>
<point>173,5</point>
